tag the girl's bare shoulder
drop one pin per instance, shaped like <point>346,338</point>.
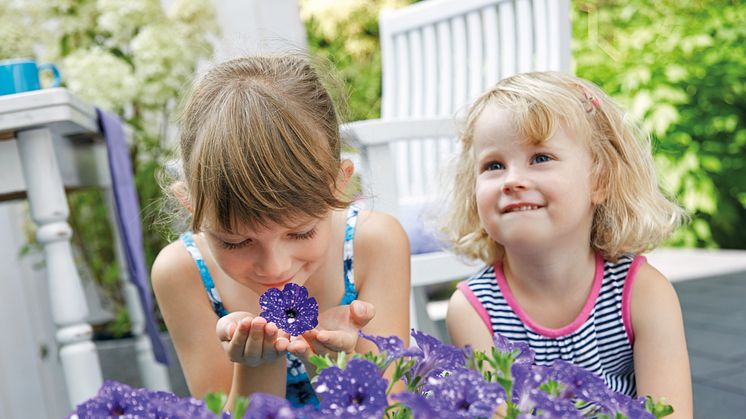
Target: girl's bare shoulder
<point>381,251</point>
<point>173,268</point>
<point>376,229</point>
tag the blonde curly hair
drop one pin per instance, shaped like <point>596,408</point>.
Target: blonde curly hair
<point>635,215</point>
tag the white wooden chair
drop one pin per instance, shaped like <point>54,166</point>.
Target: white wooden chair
<point>437,57</point>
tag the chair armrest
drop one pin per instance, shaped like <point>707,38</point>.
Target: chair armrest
<point>379,131</point>
<point>440,267</point>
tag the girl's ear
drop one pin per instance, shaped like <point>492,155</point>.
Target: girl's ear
<point>600,191</point>
<point>346,169</point>
<point>179,190</point>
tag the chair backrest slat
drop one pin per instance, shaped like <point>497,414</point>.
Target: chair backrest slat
<point>444,91</point>
<point>491,46</point>
<point>524,36</point>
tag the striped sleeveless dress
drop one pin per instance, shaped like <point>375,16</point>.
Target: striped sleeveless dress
<point>600,339</point>
<point>298,390</point>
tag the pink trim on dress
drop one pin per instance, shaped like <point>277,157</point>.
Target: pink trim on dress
<point>478,307</point>
<point>545,331</point>
<point>627,297</point>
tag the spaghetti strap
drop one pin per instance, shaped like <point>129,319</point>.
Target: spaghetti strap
<point>212,292</point>
<point>349,273</point>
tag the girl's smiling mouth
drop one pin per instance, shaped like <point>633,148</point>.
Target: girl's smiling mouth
<point>520,206</point>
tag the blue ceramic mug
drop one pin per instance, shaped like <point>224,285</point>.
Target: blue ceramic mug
<point>22,75</point>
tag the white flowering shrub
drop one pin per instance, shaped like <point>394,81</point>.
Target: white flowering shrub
<point>115,84</point>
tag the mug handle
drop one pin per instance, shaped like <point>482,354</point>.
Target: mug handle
<point>55,72</point>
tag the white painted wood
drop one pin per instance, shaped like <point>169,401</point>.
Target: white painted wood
<point>506,13</point>
<point>49,211</point>
<point>524,36</point>
<point>491,47</point>
<point>31,378</point>
<point>445,69</point>
<point>57,145</point>
<point>475,49</point>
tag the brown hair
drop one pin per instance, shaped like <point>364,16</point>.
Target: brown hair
<point>634,217</point>
<point>260,142</point>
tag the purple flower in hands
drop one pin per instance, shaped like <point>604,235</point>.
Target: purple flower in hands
<point>268,406</point>
<point>461,394</point>
<point>291,309</point>
<point>358,391</point>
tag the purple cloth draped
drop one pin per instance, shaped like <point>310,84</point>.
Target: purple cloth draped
<point>128,221</point>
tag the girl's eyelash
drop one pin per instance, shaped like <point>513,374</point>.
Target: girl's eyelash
<point>304,236</point>
<point>228,245</point>
<point>295,236</point>
<point>489,164</point>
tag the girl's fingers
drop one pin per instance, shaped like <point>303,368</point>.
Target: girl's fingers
<point>336,341</point>
<point>299,346</point>
<point>255,343</point>
<point>235,347</point>
<point>227,324</point>
<point>362,313</point>
<point>268,349</point>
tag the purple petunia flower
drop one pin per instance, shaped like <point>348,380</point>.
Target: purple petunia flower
<point>461,394</point>
<point>503,344</point>
<point>268,406</point>
<point>291,309</point>
<point>358,391</point>
<point>393,346</point>
<point>526,377</point>
<point>117,399</point>
<point>436,356</point>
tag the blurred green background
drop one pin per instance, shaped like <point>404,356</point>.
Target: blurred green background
<point>679,66</point>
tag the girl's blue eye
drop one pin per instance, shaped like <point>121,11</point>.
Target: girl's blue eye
<point>541,158</point>
<point>304,236</point>
<point>493,165</point>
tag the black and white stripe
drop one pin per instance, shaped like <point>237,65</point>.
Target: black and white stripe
<point>600,344</point>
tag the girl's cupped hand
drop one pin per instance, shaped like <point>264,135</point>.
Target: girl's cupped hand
<point>250,340</point>
<point>337,330</point>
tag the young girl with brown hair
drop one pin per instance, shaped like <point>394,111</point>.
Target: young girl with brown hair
<point>264,183</point>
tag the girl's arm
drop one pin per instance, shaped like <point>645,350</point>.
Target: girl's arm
<point>464,325</point>
<point>381,265</point>
<point>660,354</point>
<point>192,326</point>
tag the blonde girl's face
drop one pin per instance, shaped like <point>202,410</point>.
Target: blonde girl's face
<point>531,195</point>
<point>271,257</point>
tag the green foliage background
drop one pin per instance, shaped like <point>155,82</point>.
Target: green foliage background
<point>678,66</point>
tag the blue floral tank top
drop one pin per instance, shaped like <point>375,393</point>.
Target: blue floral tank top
<point>298,390</point>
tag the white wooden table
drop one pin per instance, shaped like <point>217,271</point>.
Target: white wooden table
<point>50,142</point>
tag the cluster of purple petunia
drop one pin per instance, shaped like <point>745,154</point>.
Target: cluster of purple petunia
<point>442,381</point>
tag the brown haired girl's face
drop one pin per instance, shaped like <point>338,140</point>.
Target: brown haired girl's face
<point>271,256</point>
<point>531,195</point>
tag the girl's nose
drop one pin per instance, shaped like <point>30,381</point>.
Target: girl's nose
<point>514,181</point>
<point>273,265</point>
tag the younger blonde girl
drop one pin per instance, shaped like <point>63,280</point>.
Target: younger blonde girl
<point>557,193</point>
